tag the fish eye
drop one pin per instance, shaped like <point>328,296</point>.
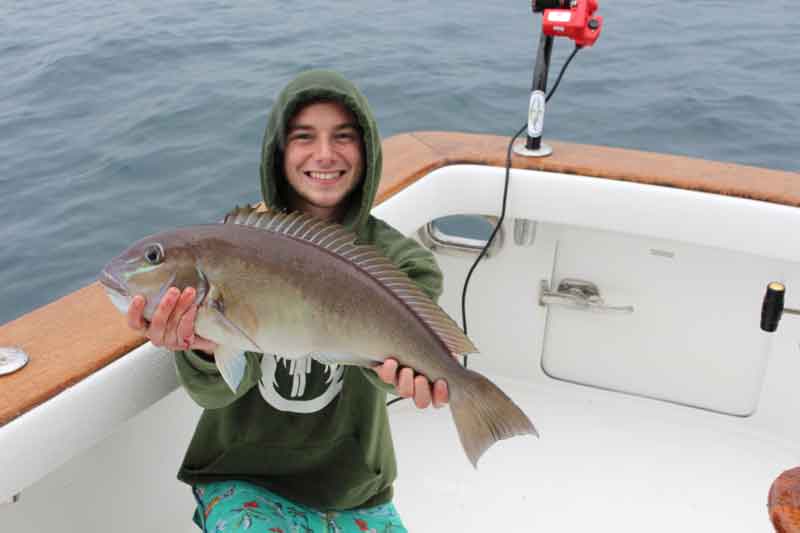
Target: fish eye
<point>154,254</point>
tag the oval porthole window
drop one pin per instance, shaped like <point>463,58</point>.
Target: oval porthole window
<point>462,234</point>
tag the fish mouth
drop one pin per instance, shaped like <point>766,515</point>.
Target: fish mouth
<point>112,283</point>
<point>116,290</point>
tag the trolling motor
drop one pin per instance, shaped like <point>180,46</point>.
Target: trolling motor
<point>772,308</point>
<point>574,19</point>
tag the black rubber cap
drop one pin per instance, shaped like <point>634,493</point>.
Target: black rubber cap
<point>772,308</point>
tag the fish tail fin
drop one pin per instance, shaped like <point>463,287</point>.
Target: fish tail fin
<point>483,415</point>
<point>231,365</point>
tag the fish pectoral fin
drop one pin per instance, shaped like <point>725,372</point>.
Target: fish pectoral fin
<point>216,306</point>
<point>231,364</point>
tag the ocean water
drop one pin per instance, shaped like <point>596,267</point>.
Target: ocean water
<point>118,119</point>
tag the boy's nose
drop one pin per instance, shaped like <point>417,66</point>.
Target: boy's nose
<point>325,152</point>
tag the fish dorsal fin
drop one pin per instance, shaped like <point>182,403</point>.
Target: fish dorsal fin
<point>342,242</point>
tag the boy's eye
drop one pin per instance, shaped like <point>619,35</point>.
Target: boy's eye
<point>346,136</point>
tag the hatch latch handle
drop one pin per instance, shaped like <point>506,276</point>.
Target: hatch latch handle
<point>578,294</point>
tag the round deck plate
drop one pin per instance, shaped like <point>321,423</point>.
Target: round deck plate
<point>520,149</point>
<point>11,359</point>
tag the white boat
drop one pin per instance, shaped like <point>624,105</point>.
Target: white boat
<point>620,310</point>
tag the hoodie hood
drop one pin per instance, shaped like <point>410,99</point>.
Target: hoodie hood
<point>308,87</point>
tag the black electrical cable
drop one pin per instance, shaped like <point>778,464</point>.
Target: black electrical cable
<point>561,74</point>
<point>505,198</point>
<point>491,237</point>
<point>502,209</point>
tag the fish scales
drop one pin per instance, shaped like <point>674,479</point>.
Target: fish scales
<point>335,303</point>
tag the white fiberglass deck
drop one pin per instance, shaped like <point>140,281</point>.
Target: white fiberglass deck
<point>605,462</point>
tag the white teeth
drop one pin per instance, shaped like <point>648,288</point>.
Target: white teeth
<point>324,175</point>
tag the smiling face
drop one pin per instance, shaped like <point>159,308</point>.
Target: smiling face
<point>323,161</point>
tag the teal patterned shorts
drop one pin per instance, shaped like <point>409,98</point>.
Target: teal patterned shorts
<point>233,506</point>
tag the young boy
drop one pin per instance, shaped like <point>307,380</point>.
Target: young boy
<point>301,446</point>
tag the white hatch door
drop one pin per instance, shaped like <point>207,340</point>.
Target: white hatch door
<point>685,323</point>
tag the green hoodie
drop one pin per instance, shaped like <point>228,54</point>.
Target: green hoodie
<point>314,434</point>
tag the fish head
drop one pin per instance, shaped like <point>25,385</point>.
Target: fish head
<point>150,267</point>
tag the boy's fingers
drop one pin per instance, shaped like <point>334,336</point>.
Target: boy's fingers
<point>184,302</point>
<point>440,393</point>
<point>204,345</point>
<point>422,392</point>
<point>172,336</point>
<point>387,371</point>
<point>186,326</point>
<point>158,324</point>
<point>135,311</point>
<point>171,341</point>
<point>132,317</point>
<point>405,382</point>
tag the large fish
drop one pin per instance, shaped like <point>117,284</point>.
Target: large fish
<point>297,286</point>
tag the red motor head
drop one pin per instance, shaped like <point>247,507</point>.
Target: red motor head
<point>578,22</point>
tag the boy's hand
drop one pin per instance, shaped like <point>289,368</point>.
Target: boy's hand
<point>172,324</point>
<point>408,385</point>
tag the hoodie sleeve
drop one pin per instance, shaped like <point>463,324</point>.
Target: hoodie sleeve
<point>413,259</point>
<point>202,380</point>
<point>410,257</point>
